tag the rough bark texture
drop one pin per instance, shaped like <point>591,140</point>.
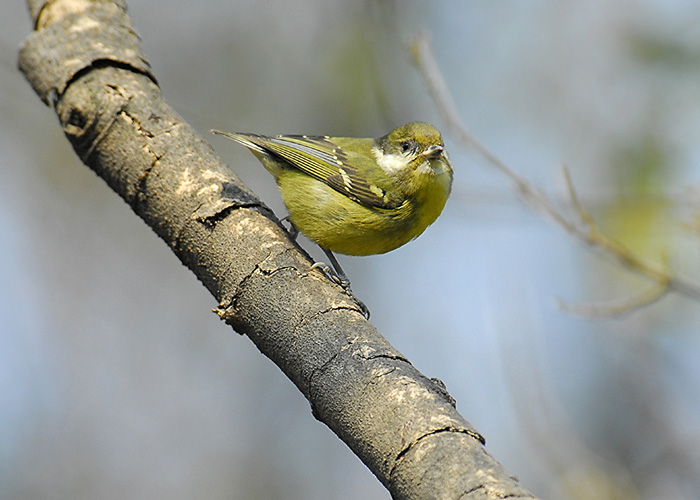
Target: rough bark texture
<point>85,60</point>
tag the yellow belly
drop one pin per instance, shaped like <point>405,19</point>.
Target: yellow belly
<point>341,225</point>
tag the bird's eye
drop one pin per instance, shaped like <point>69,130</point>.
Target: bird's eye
<point>405,146</point>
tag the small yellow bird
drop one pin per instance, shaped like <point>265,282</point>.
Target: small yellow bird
<point>358,196</point>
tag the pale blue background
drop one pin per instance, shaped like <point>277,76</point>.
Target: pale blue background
<point>116,380</point>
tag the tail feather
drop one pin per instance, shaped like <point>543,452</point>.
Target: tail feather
<point>244,139</point>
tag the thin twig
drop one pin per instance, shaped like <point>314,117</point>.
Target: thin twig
<point>646,297</point>
<point>585,229</point>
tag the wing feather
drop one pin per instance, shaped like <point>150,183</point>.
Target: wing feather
<point>324,160</point>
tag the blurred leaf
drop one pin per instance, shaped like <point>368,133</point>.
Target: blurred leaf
<point>651,49</point>
<point>639,217</point>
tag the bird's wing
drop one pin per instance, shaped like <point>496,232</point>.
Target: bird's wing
<point>321,158</point>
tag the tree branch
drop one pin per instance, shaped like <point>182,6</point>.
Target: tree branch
<point>85,60</point>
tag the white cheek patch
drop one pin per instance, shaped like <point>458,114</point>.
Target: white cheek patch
<point>391,164</point>
<point>425,168</point>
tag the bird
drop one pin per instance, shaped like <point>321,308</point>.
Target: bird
<point>358,196</point>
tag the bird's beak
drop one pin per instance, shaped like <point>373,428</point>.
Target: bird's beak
<point>433,151</point>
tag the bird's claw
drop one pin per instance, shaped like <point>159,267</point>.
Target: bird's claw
<point>344,282</point>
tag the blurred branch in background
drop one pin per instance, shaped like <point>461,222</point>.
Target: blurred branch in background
<point>648,454</point>
<point>581,225</point>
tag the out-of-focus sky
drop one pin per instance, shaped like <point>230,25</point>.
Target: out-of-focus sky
<point>116,380</point>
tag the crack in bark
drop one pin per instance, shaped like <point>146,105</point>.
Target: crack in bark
<point>441,430</point>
